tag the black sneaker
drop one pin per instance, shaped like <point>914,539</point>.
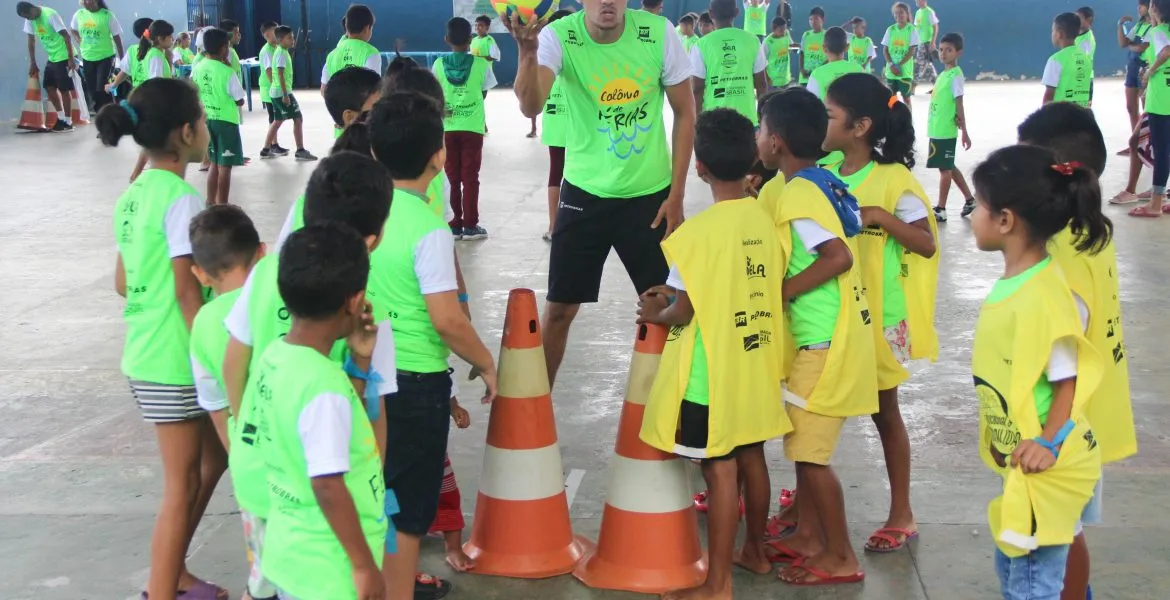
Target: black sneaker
<point>457,233</point>
<point>940,214</point>
<point>968,207</point>
<point>429,587</point>
<point>474,233</point>
<point>304,155</point>
<point>278,150</point>
<point>266,153</point>
<point>61,127</point>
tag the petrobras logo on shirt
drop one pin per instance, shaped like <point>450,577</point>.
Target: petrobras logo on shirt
<point>644,35</point>
<point>572,39</point>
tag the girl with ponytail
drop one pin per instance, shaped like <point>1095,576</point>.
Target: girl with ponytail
<point>898,252</point>
<point>149,59</point>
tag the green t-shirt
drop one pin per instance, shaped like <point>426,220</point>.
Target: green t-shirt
<point>729,57</point>
<point>187,56</point>
<point>234,59</point>
<point>779,62</point>
<point>553,124</point>
<point>482,46</point>
<point>97,42</point>
<point>689,42</point>
<point>812,316</point>
<point>812,48</point>
<point>302,555</point>
<point>924,23</point>
<point>152,55</point>
<point>1076,76</point>
<point>394,283</point>
<point>281,56</point>
<point>1158,90</point>
<point>157,340</point>
<point>465,108</point>
<point>827,73</point>
<point>860,51</point>
<point>755,19</point>
<point>209,340</point>
<point>265,59</point>
<point>45,27</point>
<point>616,142</point>
<point>214,80</point>
<point>699,381</point>
<point>349,53</point>
<point>1087,42</point>
<point>940,124</point>
<point>900,41</point>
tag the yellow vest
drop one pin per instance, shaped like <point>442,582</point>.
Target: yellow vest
<point>729,259</point>
<point>848,385</point>
<point>1094,279</point>
<point>1013,342</point>
<point>882,188</point>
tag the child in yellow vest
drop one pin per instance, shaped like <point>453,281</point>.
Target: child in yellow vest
<point>1034,369</point>
<point>1072,133</point>
<point>830,372</point>
<point>899,263</point>
<point>714,397</point>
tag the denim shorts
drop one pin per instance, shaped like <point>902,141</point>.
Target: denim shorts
<point>1133,73</point>
<point>1037,576</point>
<point>418,418</point>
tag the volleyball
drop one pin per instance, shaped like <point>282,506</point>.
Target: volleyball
<point>528,9</point>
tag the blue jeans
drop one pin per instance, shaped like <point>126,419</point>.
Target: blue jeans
<point>1037,576</point>
<point>1160,144</point>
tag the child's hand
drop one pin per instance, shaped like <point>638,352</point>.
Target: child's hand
<point>368,583</point>
<point>752,185</point>
<point>873,215</point>
<point>896,69</point>
<point>285,100</point>
<point>526,35</point>
<point>362,339</point>
<point>1031,457</point>
<point>651,304</point>
<point>460,415</point>
<point>966,141</point>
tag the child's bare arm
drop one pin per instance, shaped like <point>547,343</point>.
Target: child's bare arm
<point>1061,410</point>
<point>219,418</point>
<point>235,372</point>
<point>337,505</point>
<point>187,289</point>
<point>915,237</point>
<point>120,277</point>
<point>833,259</point>
<point>655,307</point>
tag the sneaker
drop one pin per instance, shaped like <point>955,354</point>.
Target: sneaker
<point>429,587</point>
<point>968,207</point>
<point>278,151</point>
<point>457,233</point>
<point>303,154</point>
<point>61,127</point>
<point>474,233</point>
<point>940,214</point>
<point>267,153</point>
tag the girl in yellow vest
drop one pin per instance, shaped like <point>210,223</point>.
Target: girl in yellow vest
<point>1033,367</point>
<point>830,370</point>
<point>899,263</point>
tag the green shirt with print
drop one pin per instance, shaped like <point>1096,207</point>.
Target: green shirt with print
<point>214,80</point>
<point>350,52</point>
<point>779,61</point>
<point>860,51</point>
<point>924,24</point>
<point>729,57</point>
<point>97,41</point>
<point>755,19</point>
<point>940,124</point>
<point>812,48</point>
<point>465,101</point>
<point>900,42</point>
<point>265,58</point>
<point>52,39</point>
<point>827,73</point>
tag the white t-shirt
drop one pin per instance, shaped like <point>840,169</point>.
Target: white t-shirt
<point>958,85</point>
<point>208,393</point>
<point>434,263</point>
<point>811,234</point>
<point>674,279</point>
<point>236,89</point>
<point>115,26</point>
<point>199,40</point>
<point>700,68</point>
<point>1159,40</point>
<point>913,37</point>
<point>1051,77</point>
<point>56,21</point>
<point>325,425</point>
<point>1062,364</point>
<point>676,66</point>
<point>124,63</point>
<point>373,63</point>
<point>178,223</point>
<point>1087,47</point>
<point>910,208</point>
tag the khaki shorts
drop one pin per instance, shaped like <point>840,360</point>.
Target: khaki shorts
<point>814,437</point>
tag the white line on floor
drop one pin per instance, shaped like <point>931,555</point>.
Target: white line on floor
<point>572,482</point>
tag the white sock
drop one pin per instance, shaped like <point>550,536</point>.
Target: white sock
<point>61,115</point>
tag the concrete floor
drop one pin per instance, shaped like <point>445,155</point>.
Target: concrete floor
<point>79,477</point>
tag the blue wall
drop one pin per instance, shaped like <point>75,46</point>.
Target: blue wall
<point>14,51</point>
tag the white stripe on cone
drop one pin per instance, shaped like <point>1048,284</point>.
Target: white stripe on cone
<point>648,486</point>
<point>515,377</point>
<point>517,474</point>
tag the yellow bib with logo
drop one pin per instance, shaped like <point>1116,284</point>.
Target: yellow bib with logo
<point>1013,342</point>
<point>883,188</point>
<point>848,385</point>
<point>1094,279</point>
<point>729,259</point>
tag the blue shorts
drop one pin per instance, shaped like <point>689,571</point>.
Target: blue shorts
<point>1133,73</point>
<point>1036,576</point>
<point>1091,515</point>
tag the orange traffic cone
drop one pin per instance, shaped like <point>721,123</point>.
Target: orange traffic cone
<point>32,113</point>
<point>649,539</point>
<point>521,526</point>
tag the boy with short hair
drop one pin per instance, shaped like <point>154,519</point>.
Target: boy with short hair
<point>1087,42</point>
<point>948,118</point>
<point>224,246</point>
<point>233,30</point>
<point>44,23</point>
<point>861,48</point>
<point>284,104</point>
<point>465,79</point>
<point>686,31</point>
<point>836,65</point>
<point>706,25</point>
<point>484,46</point>
<point>355,48</point>
<point>327,529</point>
<point>777,46</point>
<point>812,51</point>
<point>735,83</point>
<point>833,374</point>
<point>899,46</point>
<point>653,7</point>
<point>1068,75</point>
<point>726,407</point>
<point>265,57</point>
<point>222,96</point>
<point>926,25</point>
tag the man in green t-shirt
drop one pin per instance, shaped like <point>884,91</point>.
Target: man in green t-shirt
<point>946,121</point>
<point>755,17</point>
<point>812,50</point>
<point>1068,75</point>
<point>729,65</point>
<point>42,22</point>
<point>777,48</point>
<point>926,25</point>
<point>623,187</point>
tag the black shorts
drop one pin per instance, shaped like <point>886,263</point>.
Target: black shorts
<point>587,227</point>
<point>57,76</point>
<point>418,418</point>
<point>692,433</point>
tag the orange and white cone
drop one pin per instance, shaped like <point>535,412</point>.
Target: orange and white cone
<point>32,112</point>
<point>521,527</point>
<point>649,540</point>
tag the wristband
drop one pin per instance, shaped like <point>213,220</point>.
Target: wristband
<point>1061,435</point>
<point>463,298</point>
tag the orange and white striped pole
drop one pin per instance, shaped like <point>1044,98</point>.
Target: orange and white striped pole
<point>521,527</point>
<point>649,540</point>
<point>32,111</point>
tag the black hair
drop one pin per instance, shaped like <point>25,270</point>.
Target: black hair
<point>158,29</point>
<point>562,13</point>
<point>281,31</point>
<point>157,107</point>
<point>228,25</point>
<point>268,26</point>
<point>321,267</point>
<point>1162,6</point>
<point>357,18</point>
<point>24,9</point>
<point>651,3</point>
<point>903,6</point>
<point>779,22</point>
<point>687,19</point>
<point>400,63</point>
<point>954,39</point>
<point>891,129</point>
<point>724,10</point>
<point>1143,2</point>
<point>857,21</point>
<point>223,238</point>
<point>1068,24</point>
<point>406,130</point>
<point>1070,131</point>
<point>1086,12</point>
<point>348,89</point>
<point>486,20</point>
<point>1024,179</point>
<point>725,144</point>
<point>705,17</point>
<point>458,31</point>
<point>352,189</point>
<point>836,41</point>
<point>817,12</point>
<point>798,117</point>
<point>141,26</point>
<point>215,40</point>
<point>414,79</point>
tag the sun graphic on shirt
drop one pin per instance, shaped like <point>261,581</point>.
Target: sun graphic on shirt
<point>621,94</point>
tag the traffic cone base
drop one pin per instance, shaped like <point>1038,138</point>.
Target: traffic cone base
<point>668,567</point>
<point>505,541</point>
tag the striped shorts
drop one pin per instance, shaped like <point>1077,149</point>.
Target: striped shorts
<point>163,403</point>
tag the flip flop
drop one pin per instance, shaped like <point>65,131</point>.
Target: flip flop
<point>777,528</point>
<point>1124,197</point>
<point>784,554</point>
<point>202,590</point>
<point>885,534</point>
<point>787,497</point>
<point>823,578</point>
<point>1144,212</point>
<point>701,503</point>
<point>1166,209</point>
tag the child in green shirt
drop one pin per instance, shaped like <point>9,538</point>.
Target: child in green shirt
<point>777,46</point>
<point>686,31</point>
<point>946,121</point>
<point>222,96</point>
<point>284,104</point>
<point>1087,42</point>
<point>1068,75</point>
<point>861,48</point>
<point>812,51</point>
<point>899,46</point>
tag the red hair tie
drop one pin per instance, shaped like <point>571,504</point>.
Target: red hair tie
<point>1066,168</point>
